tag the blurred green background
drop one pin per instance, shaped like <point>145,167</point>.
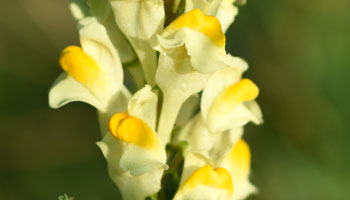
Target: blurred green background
<point>299,55</point>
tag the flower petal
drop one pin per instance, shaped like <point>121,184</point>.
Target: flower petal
<point>96,66</point>
<point>210,7</point>
<point>237,162</point>
<point>233,106</point>
<point>239,116</point>
<point>118,103</point>
<point>143,105</point>
<point>202,37</point>
<point>148,20</point>
<point>142,149</point>
<point>226,14</point>
<point>193,161</point>
<point>96,43</point>
<point>127,183</point>
<point>210,145</point>
<point>140,28</point>
<point>206,184</point>
<point>224,10</point>
<point>226,100</point>
<point>66,89</point>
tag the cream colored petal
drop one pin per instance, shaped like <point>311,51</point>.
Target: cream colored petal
<point>96,65</point>
<point>221,113</point>
<point>143,105</point>
<point>211,145</point>
<point>118,103</point>
<point>145,184</point>
<point>237,162</point>
<point>139,161</point>
<point>66,89</point>
<point>203,193</point>
<point>205,56</point>
<point>139,19</point>
<point>197,136</point>
<point>239,116</point>
<point>142,150</point>
<point>119,40</point>
<point>103,12</point>
<point>210,7</point>
<point>217,82</point>
<point>139,28</point>
<point>202,37</point>
<point>97,44</point>
<point>142,186</point>
<point>178,81</point>
<point>112,151</point>
<point>193,161</point>
<point>244,189</point>
<point>206,184</point>
<point>226,14</point>
<point>236,62</point>
<point>222,9</point>
<point>223,142</point>
<point>136,159</point>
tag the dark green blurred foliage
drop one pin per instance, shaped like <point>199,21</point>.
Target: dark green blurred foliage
<point>298,52</point>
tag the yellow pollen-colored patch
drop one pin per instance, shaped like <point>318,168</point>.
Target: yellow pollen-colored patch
<point>198,21</point>
<point>218,178</point>
<point>132,130</point>
<point>239,159</point>
<point>244,90</point>
<point>82,67</point>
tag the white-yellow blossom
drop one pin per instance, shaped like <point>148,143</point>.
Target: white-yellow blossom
<point>92,73</point>
<point>206,183</point>
<point>135,155</point>
<point>236,161</point>
<point>229,101</point>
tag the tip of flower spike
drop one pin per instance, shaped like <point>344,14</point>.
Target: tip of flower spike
<point>244,90</point>
<point>198,21</point>
<point>132,130</point>
<point>218,178</point>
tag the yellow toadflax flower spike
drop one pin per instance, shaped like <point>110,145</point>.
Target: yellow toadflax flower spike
<point>136,158</point>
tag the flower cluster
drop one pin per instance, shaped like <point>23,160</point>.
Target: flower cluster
<point>188,93</point>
